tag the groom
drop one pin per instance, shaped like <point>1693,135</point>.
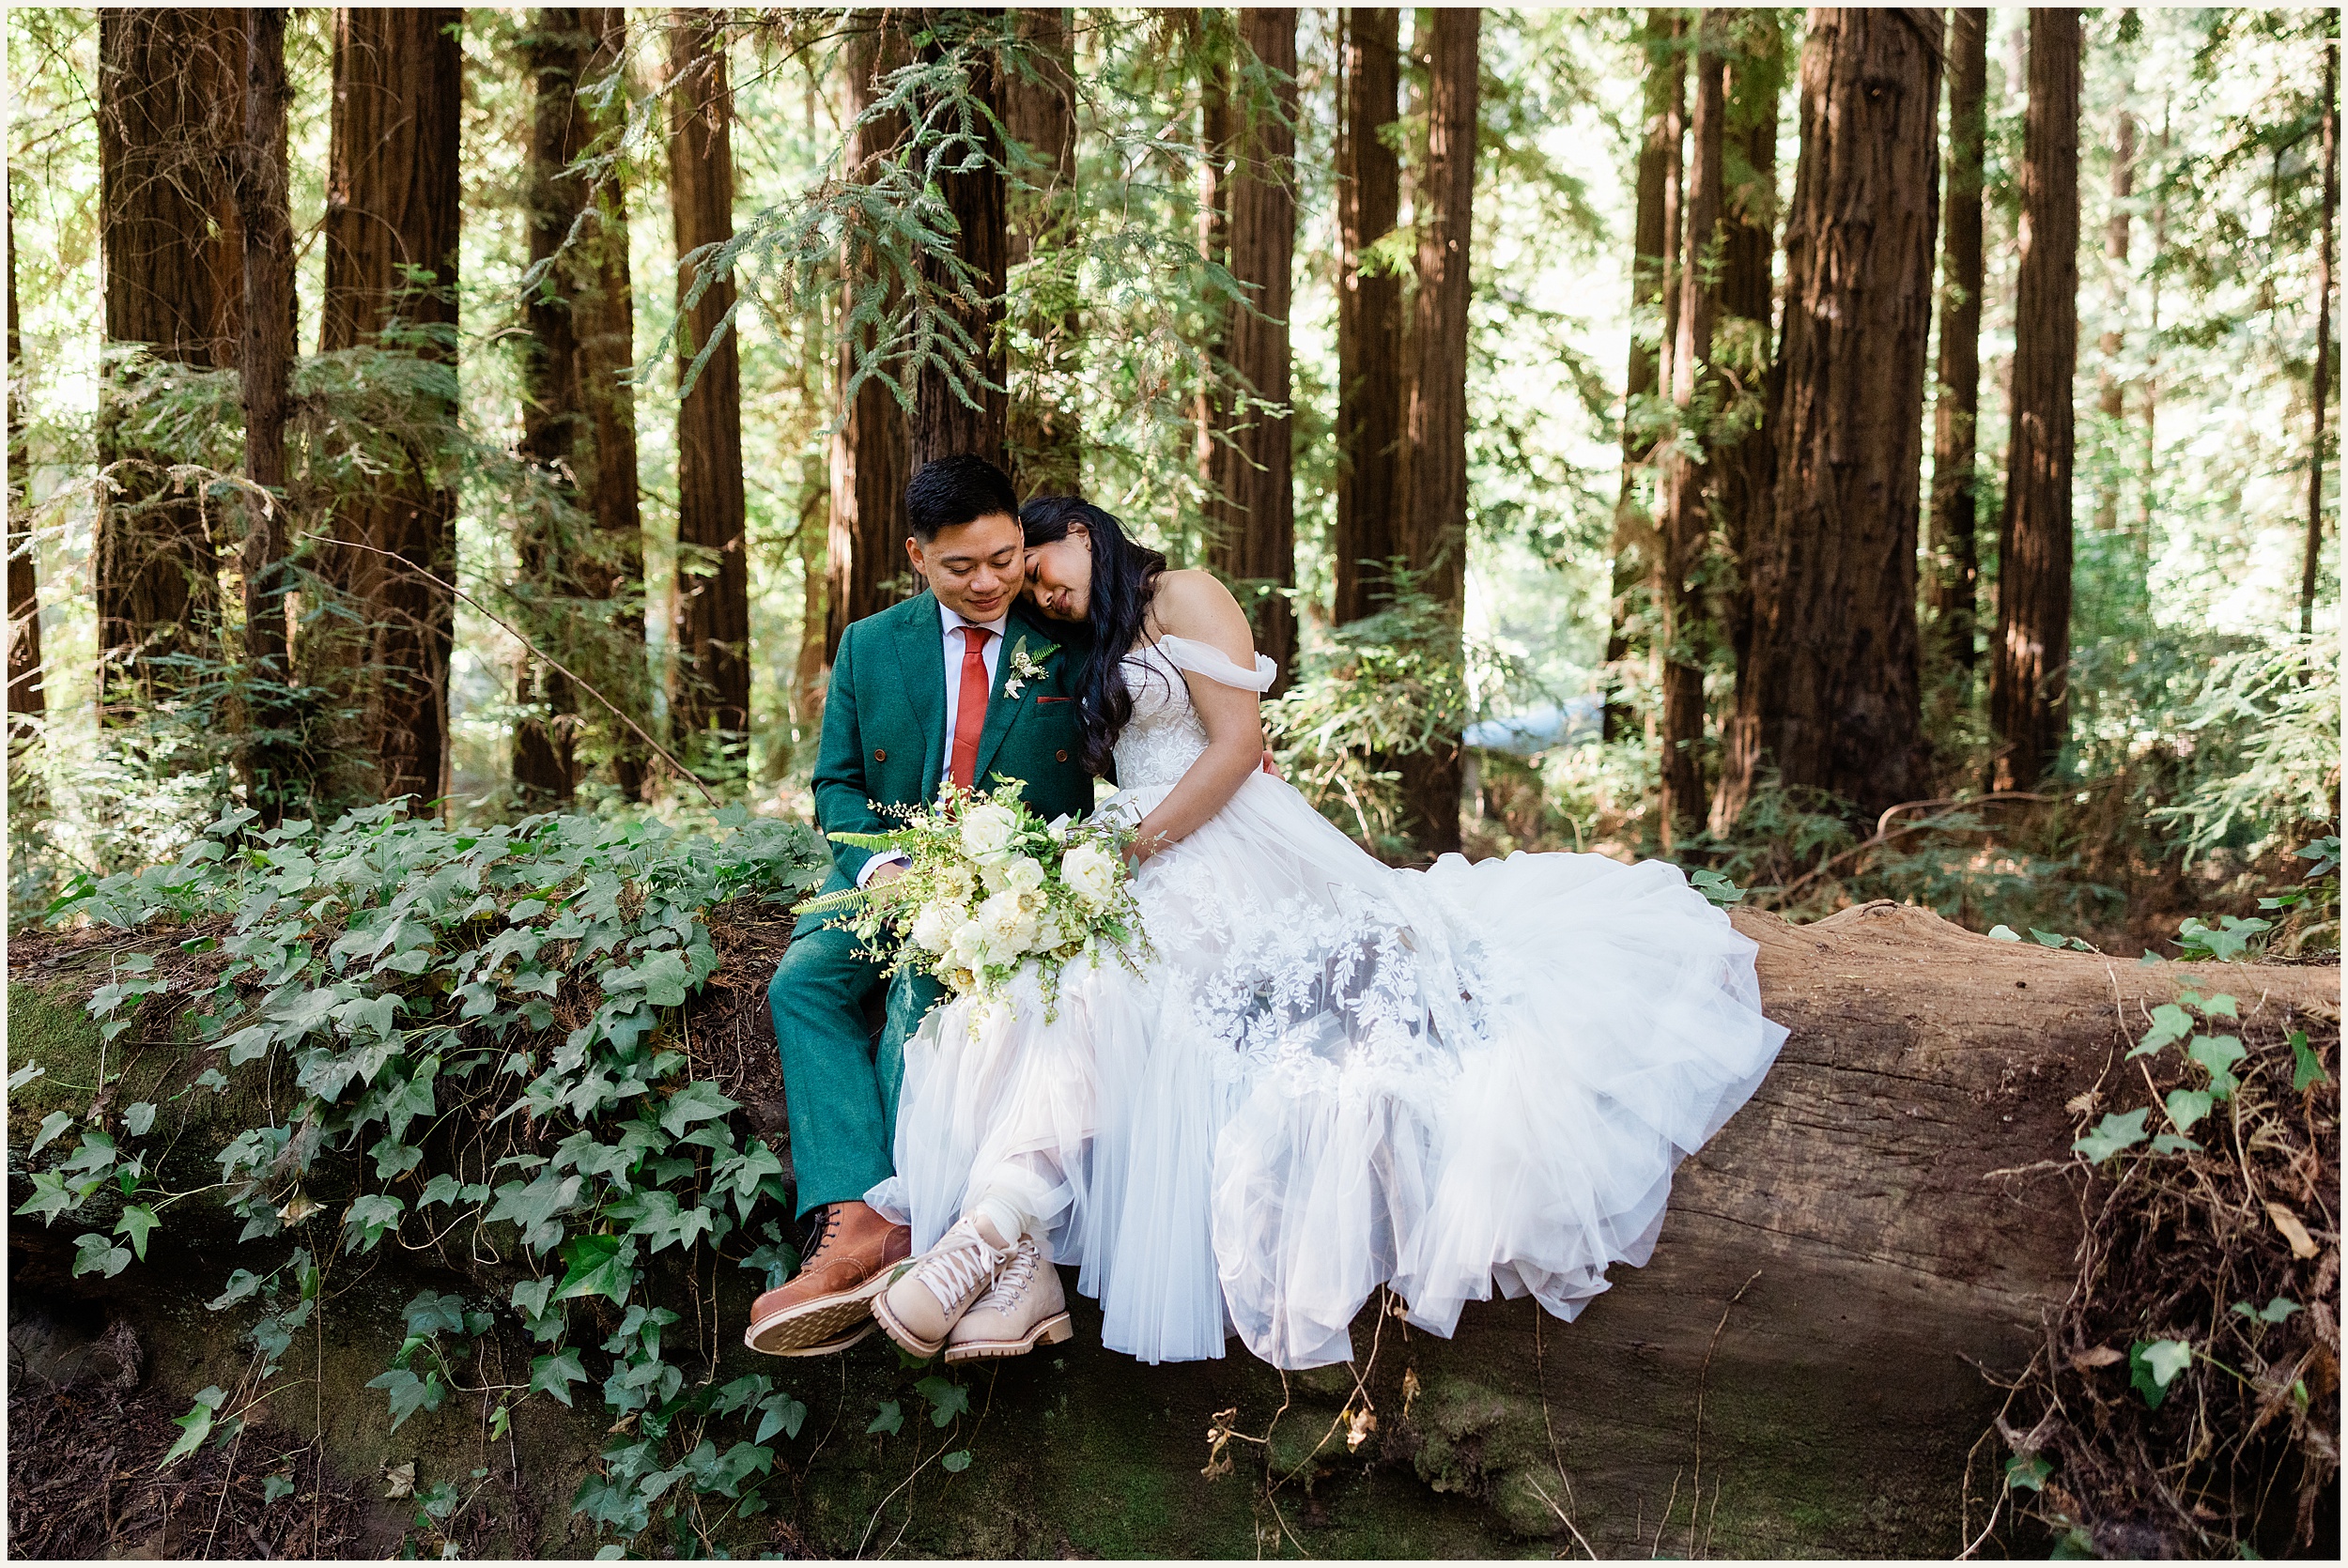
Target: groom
<point>921,694</point>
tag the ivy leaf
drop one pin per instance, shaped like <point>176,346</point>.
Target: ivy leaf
<point>2170,1023</point>
<point>2216,1054</point>
<point>275,1486</point>
<point>780,1412</point>
<point>947,1399</point>
<point>241,1284</point>
<point>2306,1068</point>
<point>597,1265</point>
<point>2154,1364</point>
<point>137,1118</point>
<point>2004,933</point>
<point>408,1392</point>
<point>137,1220</point>
<point>2114,1133</point>
<point>2189,1106</point>
<point>2275,1311</point>
<point>98,1255</point>
<point>432,1313</point>
<point>889,1421</point>
<point>193,1427</point>
<point>302,1014</point>
<point>554,1375</point>
<point>696,1103</point>
<point>53,1126</point>
<point>2026,1471</point>
<point>368,1218</point>
<point>956,1462</point>
<point>25,1075</point>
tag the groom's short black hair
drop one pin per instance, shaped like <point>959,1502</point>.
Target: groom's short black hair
<point>955,490</point>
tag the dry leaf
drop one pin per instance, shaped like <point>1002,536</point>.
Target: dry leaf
<point>2103,1355</point>
<point>2082,1103</point>
<point>1409,1389</point>
<point>1358,1428</point>
<point>403,1480</point>
<point>2302,1244</point>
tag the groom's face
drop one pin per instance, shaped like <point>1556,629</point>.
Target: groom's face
<point>974,569</point>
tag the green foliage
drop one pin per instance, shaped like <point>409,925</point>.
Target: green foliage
<point>489,1017</point>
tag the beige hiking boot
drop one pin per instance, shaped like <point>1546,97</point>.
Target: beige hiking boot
<point>1024,1309</point>
<point>929,1294</point>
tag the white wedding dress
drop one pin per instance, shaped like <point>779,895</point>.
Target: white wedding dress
<point>1335,1074</point>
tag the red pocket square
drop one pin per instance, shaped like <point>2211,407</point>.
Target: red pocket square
<point>1053,699</point>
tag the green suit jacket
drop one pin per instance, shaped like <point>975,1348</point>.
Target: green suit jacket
<point>885,740</point>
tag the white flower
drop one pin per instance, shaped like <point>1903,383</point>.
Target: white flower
<point>1023,874</point>
<point>933,928</point>
<point>987,831</point>
<point>1089,873</point>
<point>955,886</point>
<point>1059,828</point>
<point>967,944</point>
<point>1007,926</point>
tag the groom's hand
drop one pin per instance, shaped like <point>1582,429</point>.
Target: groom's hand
<point>887,873</point>
<point>1268,766</point>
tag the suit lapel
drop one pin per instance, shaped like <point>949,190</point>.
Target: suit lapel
<point>1003,712</point>
<point>922,668</point>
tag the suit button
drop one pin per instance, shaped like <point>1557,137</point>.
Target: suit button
<point>1060,755</point>
<point>880,756</point>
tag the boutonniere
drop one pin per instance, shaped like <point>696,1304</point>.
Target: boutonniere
<point>1025,666</point>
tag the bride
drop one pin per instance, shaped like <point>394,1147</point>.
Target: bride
<point>1329,1075</point>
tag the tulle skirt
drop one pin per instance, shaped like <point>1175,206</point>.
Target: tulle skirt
<point>1332,1075</point>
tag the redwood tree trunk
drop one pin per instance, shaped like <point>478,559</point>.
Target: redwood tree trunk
<point>2110,389</point>
<point>170,97</point>
<point>1371,378</point>
<point>711,685</point>
<point>947,423</point>
<point>268,764</point>
<point>1655,212</point>
<point>1686,519</point>
<point>1046,434</point>
<point>870,453</point>
<point>1436,454</point>
<point>391,207</point>
<point>1832,699</point>
<point>1252,531</point>
<point>2313,562</point>
<point>1954,566</point>
<point>2030,659</point>
<point>26,702</point>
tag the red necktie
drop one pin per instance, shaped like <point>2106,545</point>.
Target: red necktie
<point>970,709</point>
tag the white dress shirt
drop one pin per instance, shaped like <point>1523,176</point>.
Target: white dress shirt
<point>951,622</point>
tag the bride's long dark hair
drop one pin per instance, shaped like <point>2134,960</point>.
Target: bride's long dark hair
<point>1124,574</point>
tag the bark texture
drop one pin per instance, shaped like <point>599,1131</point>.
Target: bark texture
<point>391,214</point>
<point>26,703</point>
<point>1831,697</point>
<point>2030,657</point>
<point>268,764</point>
<point>974,418</point>
<point>1955,571</point>
<point>1046,433</point>
<point>2110,386</point>
<point>710,687</point>
<point>1371,378</point>
<point>870,453</point>
<point>170,115</point>
<point>1435,450</point>
<point>1252,524</point>
<point>2329,151</point>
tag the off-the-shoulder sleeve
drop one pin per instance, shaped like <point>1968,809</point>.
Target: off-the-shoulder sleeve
<point>1204,658</point>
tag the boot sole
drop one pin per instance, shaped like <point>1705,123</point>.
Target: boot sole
<point>833,1346</point>
<point>1051,1331</point>
<point>810,1328</point>
<point>905,1339</point>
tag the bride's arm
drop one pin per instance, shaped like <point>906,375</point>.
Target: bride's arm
<point>1194,605</point>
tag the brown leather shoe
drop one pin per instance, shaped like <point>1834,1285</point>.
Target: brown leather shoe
<point>830,1298</point>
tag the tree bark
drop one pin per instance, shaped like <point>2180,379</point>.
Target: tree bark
<point>170,96</point>
<point>1213,41</point>
<point>2311,567</point>
<point>391,207</point>
<point>268,764</point>
<point>1435,453</point>
<point>26,703</point>
<point>2110,389</point>
<point>1832,699</point>
<point>1252,522</point>
<point>1655,212</point>
<point>870,452</point>
<point>1686,522</point>
<point>1046,434</point>
<point>1950,582</point>
<point>973,419</point>
<point>2030,662</point>
<point>1371,378</point>
<point>710,687</point>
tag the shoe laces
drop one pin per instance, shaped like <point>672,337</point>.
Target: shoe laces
<point>1016,1276</point>
<point>959,1265</point>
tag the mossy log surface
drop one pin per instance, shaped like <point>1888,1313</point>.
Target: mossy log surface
<point>1799,1370</point>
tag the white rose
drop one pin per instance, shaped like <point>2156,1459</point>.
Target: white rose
<point>933,928</point>
<point>1007,927</point>
<point>1023,875</point>
<point>967,944</point>
<point>987,831</point>
<point>1090,875</point>
<point>1059,828</point>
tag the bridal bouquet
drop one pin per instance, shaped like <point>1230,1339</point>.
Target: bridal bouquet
<point>992,887</point>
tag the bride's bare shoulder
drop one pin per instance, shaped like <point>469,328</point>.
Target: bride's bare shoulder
<point>1194,604</point>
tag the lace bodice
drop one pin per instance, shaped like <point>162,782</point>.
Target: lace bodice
<point>1164,736</point>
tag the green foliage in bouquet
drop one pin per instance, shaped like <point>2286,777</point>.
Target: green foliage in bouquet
<point>992,887</point>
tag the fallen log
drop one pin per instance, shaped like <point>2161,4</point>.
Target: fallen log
<point>1800,1371</point>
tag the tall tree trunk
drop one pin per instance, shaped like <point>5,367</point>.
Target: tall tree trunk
<point>26,703</point>
<point>170,97</point>
<point>1745,466</point>
<point>870,451</point>
<point>1215,42</point>
<point>2030,659</point>
<point>711,688</point>
<point>2110,389</point>
<point>268,764</point>
<point>1371,382</point>
<point>2313,565</point>
<point>1686,521</point>
<point>390,208</point>
<point>1046,434</point>
<point>946,421</point>
<point>1252,534</point>
<point>1832,699</point>
<point>1655,211</point>
<point>1435,460</point>
<point>1955,571</point>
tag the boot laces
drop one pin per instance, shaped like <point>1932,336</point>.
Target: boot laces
<point>961,1263</point>
<point>1016,1276</point>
